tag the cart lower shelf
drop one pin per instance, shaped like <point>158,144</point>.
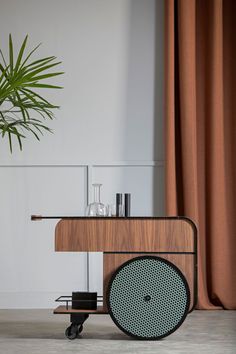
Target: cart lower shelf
<point>68,310</point>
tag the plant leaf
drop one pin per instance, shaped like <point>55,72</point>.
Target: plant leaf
<point>32,73</point>
<point>4,61</point>
<point>10,141</point>
<point>11,58</point>
<point>20,55</point>
<point>19,141</point>
<point>3,78</point>
<point>45,76</point>
<point>18,81</point>
<point>44,86</point>
<point>40,97</point>
<point>29,55</point>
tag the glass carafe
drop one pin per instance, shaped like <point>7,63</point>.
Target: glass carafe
<point>96,208</point>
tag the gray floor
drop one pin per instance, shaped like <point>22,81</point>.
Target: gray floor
<point>39,331</point>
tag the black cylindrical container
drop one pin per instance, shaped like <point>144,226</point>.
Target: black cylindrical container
<point>119,204</point>
<point>127,204</point>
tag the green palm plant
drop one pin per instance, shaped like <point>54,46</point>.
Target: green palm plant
<point>22,109</point>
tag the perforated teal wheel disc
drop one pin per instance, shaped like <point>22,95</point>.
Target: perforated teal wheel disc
<point>148,297</point>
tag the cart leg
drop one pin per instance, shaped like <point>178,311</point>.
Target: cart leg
<point>76,326</point>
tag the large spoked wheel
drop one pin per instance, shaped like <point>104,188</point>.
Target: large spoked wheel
<point>148,297</point>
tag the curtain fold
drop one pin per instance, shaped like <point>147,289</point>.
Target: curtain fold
<point>200,117</point>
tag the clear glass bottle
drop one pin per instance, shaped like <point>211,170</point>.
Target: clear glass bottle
<point>96,208</point>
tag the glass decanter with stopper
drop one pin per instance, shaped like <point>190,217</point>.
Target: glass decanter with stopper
<point>96,208</point>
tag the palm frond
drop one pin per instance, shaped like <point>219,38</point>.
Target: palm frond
<point>19,78</point>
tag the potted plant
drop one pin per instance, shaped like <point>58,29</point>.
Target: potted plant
<point>22,109</point>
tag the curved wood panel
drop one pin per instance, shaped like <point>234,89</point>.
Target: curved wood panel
<point>124,235</point>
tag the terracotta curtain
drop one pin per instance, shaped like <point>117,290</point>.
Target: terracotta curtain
<point>200,115</point>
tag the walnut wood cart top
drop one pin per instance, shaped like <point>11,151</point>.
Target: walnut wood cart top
<point>124,235</point>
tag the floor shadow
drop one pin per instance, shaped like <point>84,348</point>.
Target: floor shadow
<point>46,330</point>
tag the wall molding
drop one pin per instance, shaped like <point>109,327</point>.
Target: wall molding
<point>46,299</point>
<point>148,163</point>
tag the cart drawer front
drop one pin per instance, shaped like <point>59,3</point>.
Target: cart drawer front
<point>125,235</point>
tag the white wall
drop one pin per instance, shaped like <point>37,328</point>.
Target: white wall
<point>109,129</point>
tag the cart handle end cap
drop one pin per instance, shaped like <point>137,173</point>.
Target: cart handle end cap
<point>36,217</point>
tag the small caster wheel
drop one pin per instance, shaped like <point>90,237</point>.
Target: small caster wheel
<point>72,331</point>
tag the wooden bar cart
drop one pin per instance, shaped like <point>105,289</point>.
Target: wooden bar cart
<point>149,271</point>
